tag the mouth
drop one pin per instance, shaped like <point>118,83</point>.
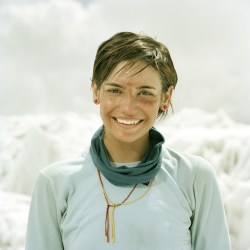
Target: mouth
<point>127,122</point>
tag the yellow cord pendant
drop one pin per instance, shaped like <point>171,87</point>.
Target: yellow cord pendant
<point>112,222</point>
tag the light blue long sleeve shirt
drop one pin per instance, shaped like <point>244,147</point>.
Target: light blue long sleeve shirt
<point>182,211</point>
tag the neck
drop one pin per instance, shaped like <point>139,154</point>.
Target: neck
<point>126,152</point>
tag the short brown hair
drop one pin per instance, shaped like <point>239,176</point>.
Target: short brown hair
<point>132,47</point>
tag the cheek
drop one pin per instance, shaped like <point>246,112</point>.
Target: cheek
<point>150,106</point>
<point>106,104</point>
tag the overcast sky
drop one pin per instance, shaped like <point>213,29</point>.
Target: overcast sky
<point>47,50</point>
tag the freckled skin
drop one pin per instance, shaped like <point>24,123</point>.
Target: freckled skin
<point>129,95</point>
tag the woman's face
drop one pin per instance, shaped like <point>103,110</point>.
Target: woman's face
<point>129,102</point>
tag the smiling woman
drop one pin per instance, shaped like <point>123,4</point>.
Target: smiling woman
<point>128,189</point>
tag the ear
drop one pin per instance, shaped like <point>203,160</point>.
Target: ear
<point>96,93</point>
<point>166,98</point>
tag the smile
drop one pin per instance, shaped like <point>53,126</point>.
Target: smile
<point>127,122</point>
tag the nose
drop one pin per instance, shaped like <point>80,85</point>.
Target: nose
<point>128,104</point>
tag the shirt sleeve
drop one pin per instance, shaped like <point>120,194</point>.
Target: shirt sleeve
<point>43,232</point>
<point>209,226</point>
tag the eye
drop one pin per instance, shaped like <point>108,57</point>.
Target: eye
<point>145,93</point>
<point>114,91</point>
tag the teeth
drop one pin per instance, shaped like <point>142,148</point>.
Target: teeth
<point>128,122</point>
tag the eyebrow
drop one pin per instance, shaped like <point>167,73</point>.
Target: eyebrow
<point>113,85</point>
<point>146,87</point>
<point>120,86</point>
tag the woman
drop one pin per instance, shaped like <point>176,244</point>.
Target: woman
<point>128,192</point>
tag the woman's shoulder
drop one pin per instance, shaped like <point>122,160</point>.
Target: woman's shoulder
<point>66,167</point>
<point>62,178</point>
<point>187,166</point>
<point>191,173</point>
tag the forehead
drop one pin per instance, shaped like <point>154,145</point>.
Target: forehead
<point>139,71</point>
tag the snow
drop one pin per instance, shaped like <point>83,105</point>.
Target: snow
<point>30,142</point>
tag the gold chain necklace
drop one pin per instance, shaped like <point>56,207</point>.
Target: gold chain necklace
<point>110,219</point>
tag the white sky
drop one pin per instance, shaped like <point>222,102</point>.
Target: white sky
<point>47,50</point>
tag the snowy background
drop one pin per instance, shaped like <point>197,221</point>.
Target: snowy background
<point>47,49</point>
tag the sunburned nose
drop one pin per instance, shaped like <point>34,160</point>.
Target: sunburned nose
<point>128,105</point>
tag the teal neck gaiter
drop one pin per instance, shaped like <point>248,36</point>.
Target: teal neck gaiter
<point>144,172</point>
